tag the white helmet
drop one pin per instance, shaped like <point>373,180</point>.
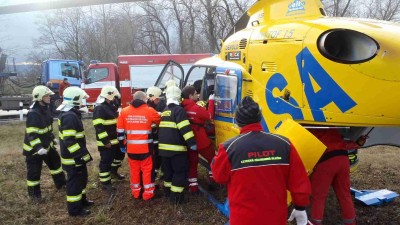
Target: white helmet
<point>108,92</point>
<point>73,96</point>
<point>173,94</point>
<point>40,91</point>
<point>170,83</point>
<point>153,92</point>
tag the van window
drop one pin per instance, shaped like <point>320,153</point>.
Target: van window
<point>70,70</point>
<point>225,95</point>
<point>96,74</point>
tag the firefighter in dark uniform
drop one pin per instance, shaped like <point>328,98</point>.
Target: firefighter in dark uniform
<point>175,134</point>
<point>74,154</point>
<point>105,117</point>
<point>39,144</point>
<point>158,103</point>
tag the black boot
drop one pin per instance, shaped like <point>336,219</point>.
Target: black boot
<point>177,197</point>
<point>167,192</point>
<point>115,174</point>
<point>83,212</point>
<point>35,194</point>
<point>87,203</point>
<point>108,187</point>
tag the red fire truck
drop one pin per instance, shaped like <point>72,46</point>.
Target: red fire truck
<point>135,72</point>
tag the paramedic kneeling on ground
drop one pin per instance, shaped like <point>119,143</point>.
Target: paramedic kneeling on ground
<point>259,168</point>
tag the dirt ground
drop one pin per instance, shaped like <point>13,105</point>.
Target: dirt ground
<point>379,168</point>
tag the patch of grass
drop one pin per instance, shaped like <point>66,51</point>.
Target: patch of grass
<point>378,169</point>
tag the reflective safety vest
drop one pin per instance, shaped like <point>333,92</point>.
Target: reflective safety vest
<point>39,130</point>
<point>105,124</point>
<point>174,133</point>
<point>72,139</point>
<point>135,125</point>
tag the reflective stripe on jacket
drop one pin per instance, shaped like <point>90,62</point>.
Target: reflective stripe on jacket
<point>39,130</point>
<point>135,123</point>
<point>105,124</point>
<point>72,138</point>
<point>175,133</point>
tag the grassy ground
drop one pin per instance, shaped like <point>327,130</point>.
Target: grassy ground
<point>378,169</point>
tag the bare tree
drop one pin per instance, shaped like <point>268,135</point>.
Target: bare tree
<point>62,31</point>
<point>339,8</point>
<point>169,26</point>
<point>157,20</point>
<point>383,10</point>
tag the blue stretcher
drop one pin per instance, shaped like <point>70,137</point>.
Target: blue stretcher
<point>373,197</point>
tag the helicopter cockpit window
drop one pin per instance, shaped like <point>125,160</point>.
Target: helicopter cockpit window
<point>202,78</point>
<point>96,74</point>
<point>225,95</point>
<point>70,70</point>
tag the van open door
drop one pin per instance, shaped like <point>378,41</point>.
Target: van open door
<point>171,71</point>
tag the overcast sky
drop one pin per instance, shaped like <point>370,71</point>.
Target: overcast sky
<point>17,31</point>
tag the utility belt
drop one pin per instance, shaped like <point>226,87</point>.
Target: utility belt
<point>332,154</point>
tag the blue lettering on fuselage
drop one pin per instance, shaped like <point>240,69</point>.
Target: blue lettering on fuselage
<point>278,105</point>
<point>329,91</point>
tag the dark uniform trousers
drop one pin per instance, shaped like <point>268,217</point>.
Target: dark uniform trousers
<point>175,170</point>
<point>77,179</point>
<point>34,169</point>
<point>110,160</point>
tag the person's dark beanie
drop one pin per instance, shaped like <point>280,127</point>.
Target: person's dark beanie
<point>247,112</point>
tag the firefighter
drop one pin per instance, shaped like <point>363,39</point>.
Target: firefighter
<point>105,123</point>
<point>158,103</point>
<point>74,154</point>
<point>39,144</point>
<point>198,116</point>
<point>333,169</point>
<point>175,134</point>
<point>259,168</point>
<point>135,123</point>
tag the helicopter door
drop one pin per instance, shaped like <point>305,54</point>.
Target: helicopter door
<point>203,79</point>
<point>171,71</point>
<point>227,90</point>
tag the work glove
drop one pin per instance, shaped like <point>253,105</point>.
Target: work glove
<point>55,141</point>
<point>42,151</point>
<point>123,149</point>
<point>211,97</point>
<point>300,216</point>
<point>193,148</point>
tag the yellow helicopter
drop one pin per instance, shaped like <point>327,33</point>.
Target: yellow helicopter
<point>300,64</point>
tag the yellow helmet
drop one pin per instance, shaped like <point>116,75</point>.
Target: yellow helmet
<point>73,96</point>
<point>40,91</point>
<point>109,92</point>
<point>153,92</point>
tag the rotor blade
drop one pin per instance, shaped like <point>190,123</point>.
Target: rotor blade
<point>46,5</point>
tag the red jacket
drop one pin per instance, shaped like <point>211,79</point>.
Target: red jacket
<point>63,85</point>
<point>333,140</point>
<point>259,168</point>
<point>197,116</point>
